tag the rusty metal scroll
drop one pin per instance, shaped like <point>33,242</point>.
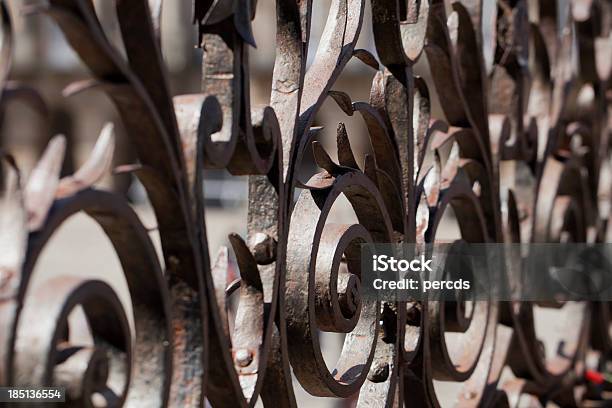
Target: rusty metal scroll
<point>521,152</point>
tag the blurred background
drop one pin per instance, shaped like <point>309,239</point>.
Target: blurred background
<point>43,60</point>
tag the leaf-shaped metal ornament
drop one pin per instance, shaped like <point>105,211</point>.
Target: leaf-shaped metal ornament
<point>97,165</point>
<point>40,189</point>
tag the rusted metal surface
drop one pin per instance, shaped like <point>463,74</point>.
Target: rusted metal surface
<point>522,155</point>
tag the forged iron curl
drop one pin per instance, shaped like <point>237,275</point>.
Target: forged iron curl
<point>521,154</point>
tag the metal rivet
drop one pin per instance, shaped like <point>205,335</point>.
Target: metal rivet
<point>243,357</point>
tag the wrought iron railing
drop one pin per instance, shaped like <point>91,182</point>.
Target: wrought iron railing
<point>522,155</point>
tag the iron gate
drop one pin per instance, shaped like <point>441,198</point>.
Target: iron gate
<point>522,155</point>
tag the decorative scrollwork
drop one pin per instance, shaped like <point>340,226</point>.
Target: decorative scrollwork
<point>521,153</point>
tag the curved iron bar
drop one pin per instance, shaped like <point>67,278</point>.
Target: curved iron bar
<point>521,155</point>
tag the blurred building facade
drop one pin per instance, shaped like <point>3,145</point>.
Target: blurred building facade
<point>43,60</point>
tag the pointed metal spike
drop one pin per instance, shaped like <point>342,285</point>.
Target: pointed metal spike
<point>370,168</point>
<point>42,184</point>
<point>14,233</point>
<point>127,168</point>
<point>312,187</point>
<point>324,161</point>
<point>432,182</point>
<point>242,21</point>
<point>343,100</point>
<point>97,165</point>
<point>422,219</point>
<point>249,271</point>
<point>345,152</point>
<point>220,272</point>
<point>367,58</point>
<point>451,167</point>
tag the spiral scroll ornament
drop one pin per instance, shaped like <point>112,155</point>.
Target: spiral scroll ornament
<point>520,153</point>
